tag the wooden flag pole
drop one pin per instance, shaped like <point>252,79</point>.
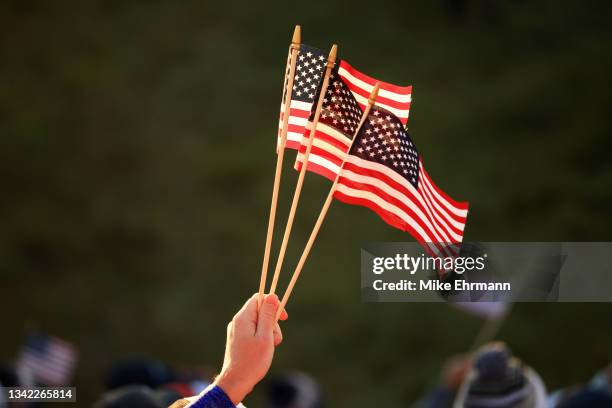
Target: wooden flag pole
<point>331,60</point>
<point>325,208</point>
<point>287,90</point>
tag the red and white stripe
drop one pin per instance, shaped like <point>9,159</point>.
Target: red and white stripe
<point>396,99</point>
<point>427,213</point>
<point>432,217</point>
<point>298,118</point>
<point>327,151</point>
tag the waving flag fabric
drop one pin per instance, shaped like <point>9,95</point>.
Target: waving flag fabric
<point>309,71</point>
<point>385,173</point>
<point>327,153</point>
<point>340,116</point>
<point>396,99</point>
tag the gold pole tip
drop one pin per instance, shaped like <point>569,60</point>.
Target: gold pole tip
<point>297,35</point>
<point>333,53</point>
<point>374,94</point>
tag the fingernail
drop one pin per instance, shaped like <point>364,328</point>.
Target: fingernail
<point>272,299</point>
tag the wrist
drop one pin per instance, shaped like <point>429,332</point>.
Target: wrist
<point>233,387</point>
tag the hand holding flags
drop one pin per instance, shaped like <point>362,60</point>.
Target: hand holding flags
<point>350,128</point>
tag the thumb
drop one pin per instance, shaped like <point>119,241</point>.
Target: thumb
<point>267,316</point>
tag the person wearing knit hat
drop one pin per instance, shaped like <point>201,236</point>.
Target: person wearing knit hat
<point>498,380</point>
<point>293,390</point>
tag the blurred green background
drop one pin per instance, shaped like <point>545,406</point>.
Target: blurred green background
<point>137,156</point>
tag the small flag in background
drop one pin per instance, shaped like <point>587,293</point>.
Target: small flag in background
<point>385,173</point>
<point>47,360</point>
<point>309,72</point>
<point>326,155</point>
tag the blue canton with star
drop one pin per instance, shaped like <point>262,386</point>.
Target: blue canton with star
<point>309,71</point>
<point>340,109</point>
<point>382,139</point>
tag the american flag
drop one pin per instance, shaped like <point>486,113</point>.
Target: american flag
<point>47,360</point>
<point>309,72</point>
<point>396,99</point>
<point>340,116</point>
<point>326,156</point>
<point>385,173</point>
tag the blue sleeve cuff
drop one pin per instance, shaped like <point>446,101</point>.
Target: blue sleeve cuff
<point>214,398</point>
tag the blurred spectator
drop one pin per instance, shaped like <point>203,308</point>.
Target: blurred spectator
<point>139,371</point>
<point>293,390</point>
<point>131,396</point>
<point>149,382</point>
<point>8,376</point>
<point>499,380</point>
<point>595,394</point>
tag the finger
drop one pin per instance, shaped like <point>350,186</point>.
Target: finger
<point>245,320</point>
<point>267,316</point>
<point>278,335</point>
<point>284,315</point>
<point>248,312</point>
